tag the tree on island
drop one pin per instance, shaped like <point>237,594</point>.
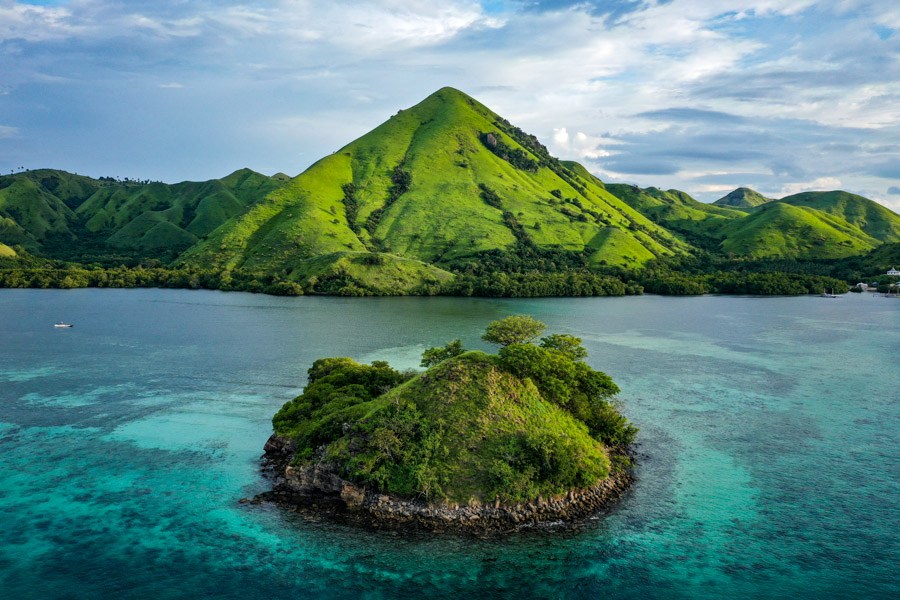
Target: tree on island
<point>567,344</point>
<point>517,329</point>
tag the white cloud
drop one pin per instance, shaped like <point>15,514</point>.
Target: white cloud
<point>579,145</point>
<point>714,188</point>
<point>8,132</point>
<point>35,23</point>
<point>818,184</point>
<point>813,89</point>
<point>370,25</point>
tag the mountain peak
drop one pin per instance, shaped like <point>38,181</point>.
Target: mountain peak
<point>447,100</point>
<point>742,197</point>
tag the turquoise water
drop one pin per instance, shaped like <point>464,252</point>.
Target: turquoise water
<point>769,449</point>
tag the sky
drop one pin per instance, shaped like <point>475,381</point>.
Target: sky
<point>703,96</point>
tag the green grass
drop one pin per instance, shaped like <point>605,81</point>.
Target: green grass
<point>465,430</point>
<point>298,228</point>
<point>676,210</point>
<point>31,213</point>
<point>370,273</point>
<point>816,225</point>
<point>7,252</point>
<point>871,217</point>
<point>780,230</point>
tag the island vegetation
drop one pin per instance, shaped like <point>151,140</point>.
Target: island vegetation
<point>530,434</point>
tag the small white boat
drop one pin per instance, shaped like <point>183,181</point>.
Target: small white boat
<point>828,294</point>
<point>60,324</point>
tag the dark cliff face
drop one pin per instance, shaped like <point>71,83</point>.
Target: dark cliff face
<point>319,489</point>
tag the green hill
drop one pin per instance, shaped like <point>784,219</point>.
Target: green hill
<point>442,183</point>
<point>442,196</point>
<point>744,223</point>
<point>486,412</point>
<point>742,198</point>
<point>700,223</point>
<point>873,218</point>
<point>51,212</point>
<point>531,421</point>
<point>157,216</point>
<point>781,230</point>
<point>29,214</point>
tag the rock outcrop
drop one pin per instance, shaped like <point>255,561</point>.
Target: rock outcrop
<point>318,487</point>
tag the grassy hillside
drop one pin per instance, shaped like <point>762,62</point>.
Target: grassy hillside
<point>492,415</point>
<point>51,212</point>
<point>700,223</point>
<point>29,214</point>
<point>440,183</point>
<point>367,273</point>
<point>742,198</point>
<point>780,230</point>
<point>816,225</point>
<point>157,216</point>
<point>443,194</point>
<point>871,217</point>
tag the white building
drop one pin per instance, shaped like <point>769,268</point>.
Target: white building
<point>893,271</point>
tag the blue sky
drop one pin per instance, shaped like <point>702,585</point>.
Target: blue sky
<point>779,95</point>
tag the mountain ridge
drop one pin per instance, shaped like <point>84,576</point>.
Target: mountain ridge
<point>443,188</point>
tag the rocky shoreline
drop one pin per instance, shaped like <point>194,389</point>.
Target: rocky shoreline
<point>319,489</point>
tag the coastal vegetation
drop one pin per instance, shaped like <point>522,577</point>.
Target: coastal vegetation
<point>446,197</point>
<point>533,420</point>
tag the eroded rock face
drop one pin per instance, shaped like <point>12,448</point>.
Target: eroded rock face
<point>316,480</point>
<point>320,487</point>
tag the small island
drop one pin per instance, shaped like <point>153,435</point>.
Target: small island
<point>477,442</point>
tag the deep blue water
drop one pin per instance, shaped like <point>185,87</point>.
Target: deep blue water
<point>770,436</point>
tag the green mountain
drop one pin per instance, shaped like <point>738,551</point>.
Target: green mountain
<point>827,224</point>
<point>48,211</point>
<point>675,210</point>
<point>781,230</point>
<point>742,198</point>
<point>444,188</point>
<point>873,218</point>
<point>441,183</point>
<point>30,211</point>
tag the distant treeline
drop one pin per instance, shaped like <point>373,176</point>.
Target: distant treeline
<point>570,279</point>
<point>533,285</point>
<point>711,275</point>
<point>763,284</point>
<point>141,277</point>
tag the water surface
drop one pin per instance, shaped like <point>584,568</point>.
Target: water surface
<point>769,449</point>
